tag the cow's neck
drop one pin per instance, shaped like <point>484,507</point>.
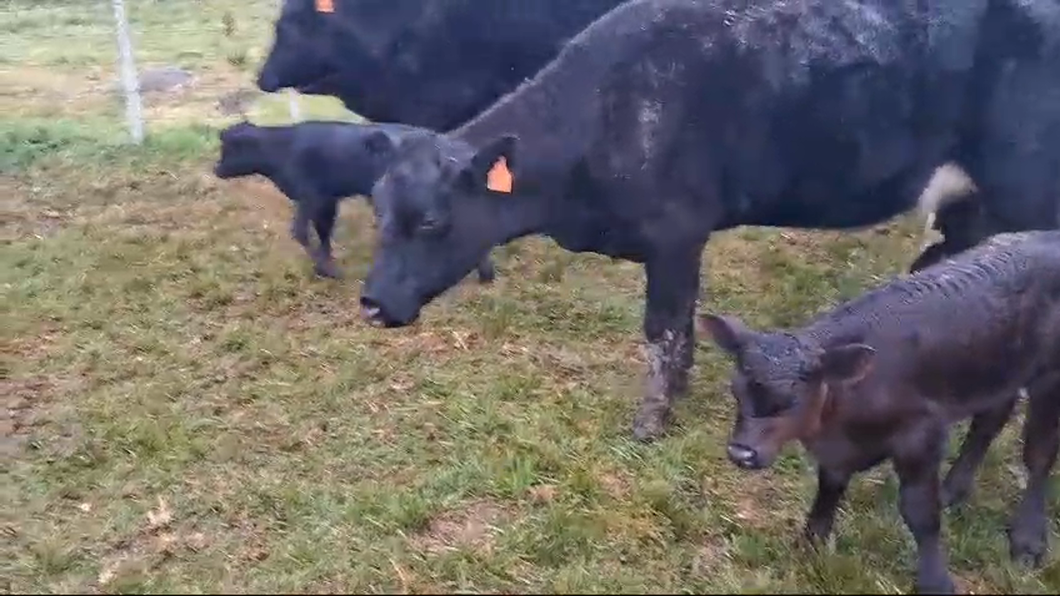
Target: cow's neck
<point>542,164</point>
<point>518,214</point>
<point>550,114</point>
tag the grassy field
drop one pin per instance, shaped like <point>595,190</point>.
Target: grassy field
<point>187,410</point>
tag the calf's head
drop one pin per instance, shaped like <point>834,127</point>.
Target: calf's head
<point>436,219</point>
<point>783,385</point>
<point>240,151</point>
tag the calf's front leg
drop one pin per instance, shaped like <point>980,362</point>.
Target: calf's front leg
<point>324,222</point>
<point>486,272</point>
<point>300,224</point>
<point>831,486</point>
<point>917,465</point>
<point>672,289</point>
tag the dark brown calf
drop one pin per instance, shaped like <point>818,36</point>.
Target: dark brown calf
<point>883,376</point>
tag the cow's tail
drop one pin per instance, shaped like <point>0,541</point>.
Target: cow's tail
<point>948,185</point>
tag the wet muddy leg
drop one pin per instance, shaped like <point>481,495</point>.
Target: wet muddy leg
<point>672,289</point>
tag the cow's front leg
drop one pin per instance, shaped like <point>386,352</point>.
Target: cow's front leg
<point>672,290</point>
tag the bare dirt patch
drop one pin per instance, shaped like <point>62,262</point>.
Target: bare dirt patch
<point>615,486</point>
<point>158,539</point>
<point>26,408</point>
<point>472,526</point>
<point>711,555</point>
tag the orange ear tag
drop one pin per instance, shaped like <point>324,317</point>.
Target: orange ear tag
<point>499,178</point>
<point>325,5</point>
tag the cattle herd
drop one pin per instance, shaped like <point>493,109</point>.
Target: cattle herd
<point>636,129</point>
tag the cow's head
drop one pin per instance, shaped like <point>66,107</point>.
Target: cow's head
<point>436,219</point>
<point>783,386</point>
<point>313,50</point>
<point>240,151</point>
<point>300,53</point>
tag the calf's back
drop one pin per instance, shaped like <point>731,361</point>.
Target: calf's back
<point>966,330</point>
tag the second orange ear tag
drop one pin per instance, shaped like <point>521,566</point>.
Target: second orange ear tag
<point>499,178</point>
<point>325,6</point>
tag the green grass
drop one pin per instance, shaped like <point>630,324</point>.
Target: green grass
<point>188,410</point>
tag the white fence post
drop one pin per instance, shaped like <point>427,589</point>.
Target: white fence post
<point>292,95</point>
<point>292,99</point>
<point>129,79</point>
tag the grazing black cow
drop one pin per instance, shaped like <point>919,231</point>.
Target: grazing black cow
<point>666,120</point>
<point>882,377</point>
<point>316,164</point>
<point>430,63</point>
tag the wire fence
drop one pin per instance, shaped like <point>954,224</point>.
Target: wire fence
<point>137,66</point>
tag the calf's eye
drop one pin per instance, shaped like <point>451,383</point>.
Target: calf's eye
<point>428,225</point>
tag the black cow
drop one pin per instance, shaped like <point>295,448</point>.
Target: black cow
<point>430,63</point>
<point>316,164</point>
<point>667,120</point>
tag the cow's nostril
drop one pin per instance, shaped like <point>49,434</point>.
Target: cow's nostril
<point>371,311</point>
<point>267,83</point>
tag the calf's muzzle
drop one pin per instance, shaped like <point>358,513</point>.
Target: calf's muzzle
<point>744,457</point>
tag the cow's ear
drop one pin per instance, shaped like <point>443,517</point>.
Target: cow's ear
<point>729,333</point>
<point>491,166</point>
<point>378,143</point>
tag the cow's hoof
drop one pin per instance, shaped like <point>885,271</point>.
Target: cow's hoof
<point>1027,548</point>
<point>650,424</point>
<point>942,584</point>
<point>327,270</point>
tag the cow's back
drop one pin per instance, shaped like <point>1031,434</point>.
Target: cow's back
<point>453,59</point>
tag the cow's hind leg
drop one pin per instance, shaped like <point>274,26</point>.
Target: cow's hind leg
<point>984,429</point>
<point>1029,527</point>
<point>672,290</point>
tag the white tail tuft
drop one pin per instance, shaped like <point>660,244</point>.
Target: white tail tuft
<point>949,184</point>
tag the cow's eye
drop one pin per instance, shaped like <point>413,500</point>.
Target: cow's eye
<point>765,402</point>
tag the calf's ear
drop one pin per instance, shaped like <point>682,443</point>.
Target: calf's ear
<point>378,143</point>
<point>488,156</point>
<point>729,333</point>
<point>849,363</point>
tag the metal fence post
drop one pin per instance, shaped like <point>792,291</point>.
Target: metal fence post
<point>292,98</point>
<point>129,79</point>
<point>292,95</point>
